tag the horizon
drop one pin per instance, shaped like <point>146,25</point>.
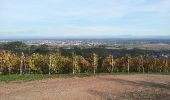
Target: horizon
<point>89,38</point>
<point>90,19</point>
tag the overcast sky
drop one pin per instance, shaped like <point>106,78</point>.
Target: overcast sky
<point>84,18</point>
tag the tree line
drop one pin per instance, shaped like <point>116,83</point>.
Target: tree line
<point>54,63</point>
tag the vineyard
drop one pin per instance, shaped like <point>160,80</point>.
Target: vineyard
<point>56,63</point>
<point>60,73</point>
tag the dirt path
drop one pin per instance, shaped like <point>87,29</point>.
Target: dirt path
<point>133,87</point>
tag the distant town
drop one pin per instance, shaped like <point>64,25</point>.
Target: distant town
<point>145,44</point>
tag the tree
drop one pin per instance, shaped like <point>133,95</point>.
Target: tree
<point>109,63</point>
<point>166,64</point>
<point>127,62</point>
<point>16,47</point>
<point>30,61</point>
<point>76,63</point>
<point>95,62</point>
<point>66,64</point>
<point>56,63</point>
<point>43,49</point>
<point>151,63</point>
<point>161,64</point>
<point>135,64</point>
<point>7,61</point>
<point>141,63</point>
<point>86,66</point>
<point>33,61</point>
<point>22,59</point>
<point>113,62</point>
<point>2,63</point>
<point>50,65</point>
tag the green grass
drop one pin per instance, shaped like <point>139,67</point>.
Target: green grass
<point>26,77</point>
<point>30,77</point>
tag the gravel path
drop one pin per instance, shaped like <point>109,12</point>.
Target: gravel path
<point>108,87</point>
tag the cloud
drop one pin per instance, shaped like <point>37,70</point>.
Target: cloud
<point>87,17</point>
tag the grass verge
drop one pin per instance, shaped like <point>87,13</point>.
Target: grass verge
<point>31,77</point>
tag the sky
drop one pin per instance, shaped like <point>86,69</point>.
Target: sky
<point>84,18</point>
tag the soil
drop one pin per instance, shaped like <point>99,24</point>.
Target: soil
<point>108,87</point>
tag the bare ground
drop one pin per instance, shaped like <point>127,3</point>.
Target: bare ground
<point>109,87</point>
